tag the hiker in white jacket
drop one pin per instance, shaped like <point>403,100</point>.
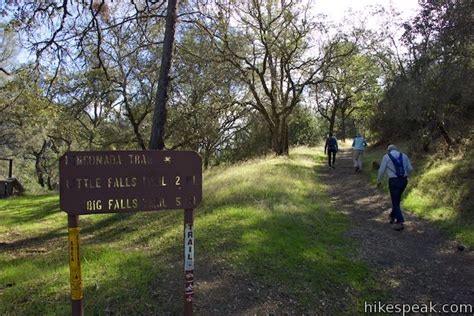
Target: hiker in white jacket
<point>398,167</point>
<point>358,147</point>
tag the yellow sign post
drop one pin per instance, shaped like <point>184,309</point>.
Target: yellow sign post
<point>75,266</point>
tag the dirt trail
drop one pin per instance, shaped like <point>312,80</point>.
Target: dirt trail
<point>416,265</point>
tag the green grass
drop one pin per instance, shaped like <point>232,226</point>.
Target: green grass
<point>268,219</point>
<point>440,190</point>
<point>444,195</point>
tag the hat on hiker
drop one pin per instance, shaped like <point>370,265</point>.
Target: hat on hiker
<point>391,147</point>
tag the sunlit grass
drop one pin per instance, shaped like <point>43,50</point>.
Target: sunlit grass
<point>268,219</point>
<point>440,190</point>
<point>443,194</point>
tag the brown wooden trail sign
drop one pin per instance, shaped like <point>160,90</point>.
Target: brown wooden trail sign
<point>97,182</point>
<point>129,181</point>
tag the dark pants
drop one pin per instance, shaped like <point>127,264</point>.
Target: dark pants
<point>396,187</point>
<point>332,152</point>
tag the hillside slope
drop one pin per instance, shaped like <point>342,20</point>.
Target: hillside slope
<point>440,190</point>
<point>266,241</point>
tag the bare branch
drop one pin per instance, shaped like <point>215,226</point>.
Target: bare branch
<point>4,71</point>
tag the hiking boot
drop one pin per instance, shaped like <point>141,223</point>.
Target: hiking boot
<point>391,219</point>
<point>399,227</point>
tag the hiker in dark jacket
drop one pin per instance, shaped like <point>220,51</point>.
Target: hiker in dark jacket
<point>331,148</point>
<point>398,167</point>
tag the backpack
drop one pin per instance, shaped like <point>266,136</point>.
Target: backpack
<point>398,163</point>
<point>332,143</point>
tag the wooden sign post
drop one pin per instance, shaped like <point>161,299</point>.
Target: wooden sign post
<point>129,181</point>
<point>75,276</point>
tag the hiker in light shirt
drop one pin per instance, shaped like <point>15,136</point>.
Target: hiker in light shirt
<point>358,147</point>
<point>398,167</point>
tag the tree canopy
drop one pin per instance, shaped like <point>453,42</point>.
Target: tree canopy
<point>227,79</point>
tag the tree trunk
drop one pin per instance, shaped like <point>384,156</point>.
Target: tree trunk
<point>206,160</point>
<point>279,134</point>
<point>39,174</point>
<point>134,121</point>
<point>90,140</point>
<point>138,136</point>
<point>343,127</point>
<point>277,144</point>
<point>38,164</point>
<point>332,121</point>
<point>159,117</point>
<point>286,149</point>
<point>445,134</point>
<point>50,184</point>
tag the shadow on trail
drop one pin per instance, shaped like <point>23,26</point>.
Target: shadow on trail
<point>417,265</point>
